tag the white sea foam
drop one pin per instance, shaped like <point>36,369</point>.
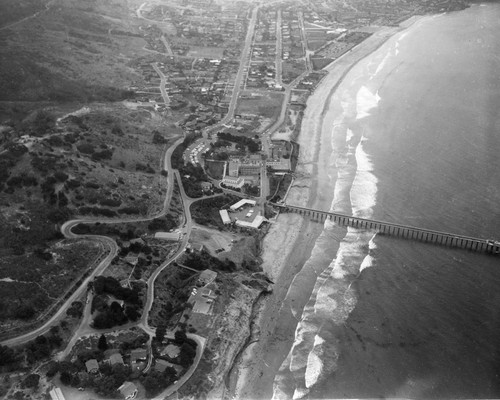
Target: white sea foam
<point>364,187</point>
<point>314,362</point>
<point>300,393</point>
<point>365,102</point>
<point>367,263</point>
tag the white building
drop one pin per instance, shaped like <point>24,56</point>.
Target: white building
<point>168,235</point>
<point>236,183</point>
<point>225,217</point>
<point>241,203</point>
<point>255,224</point>
<point>57,394</point>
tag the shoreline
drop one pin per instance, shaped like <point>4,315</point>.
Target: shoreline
<point>291,240</point>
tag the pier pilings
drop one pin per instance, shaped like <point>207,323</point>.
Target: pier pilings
<point>399,230</point>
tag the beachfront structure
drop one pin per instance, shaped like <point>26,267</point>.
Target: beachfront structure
<point>241,203</point>
<point>255,224</point>
<point>225,217</point>
<point>57,394</point>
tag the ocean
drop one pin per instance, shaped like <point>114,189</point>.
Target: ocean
<point>414,139</point>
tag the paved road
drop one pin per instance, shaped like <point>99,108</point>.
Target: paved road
<point>61,313</point>
<point>163,81</point>
<point>279,49</point>
<point>167,46</point>
<point>201,342</point>
<point>244,64</point>
<point>109,243</point>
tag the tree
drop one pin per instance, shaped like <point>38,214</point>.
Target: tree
<point>132,313</point>
<point>31,381</point>
<point>103,343</point>
<point>180,336</point>
<point>65,378</point>
<point>153,383</point>
<point>7,355</point>
<point>187,355</point>
<point>53,369</point>
<point>160,333</point>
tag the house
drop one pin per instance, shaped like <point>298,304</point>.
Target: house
<point>138,359</point>
<point>162,365</point>
<point>206,186</point>
<point>108,353</point>
<point>207,276</point>
<point>92,366</point>
<point>128,390</point>
<point>172,351</point>
<point>115,359</point>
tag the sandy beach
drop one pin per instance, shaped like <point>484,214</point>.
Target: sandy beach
<point>291,239</point>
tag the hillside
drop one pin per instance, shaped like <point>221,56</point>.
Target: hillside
<point>74,141</point>
<point>71,51</point>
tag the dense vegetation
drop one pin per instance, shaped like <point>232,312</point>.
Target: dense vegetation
<point>203,260</point>
<point>113,314</point>
<point>177,155</point>
<point>191,176</point>
<point>251,144</point>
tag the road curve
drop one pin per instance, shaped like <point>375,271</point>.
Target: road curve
<point>105,240</point>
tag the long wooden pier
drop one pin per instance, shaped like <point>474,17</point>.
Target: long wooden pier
<point>398,230</point>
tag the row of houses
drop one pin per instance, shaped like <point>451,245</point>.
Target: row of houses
<point>138,359</point>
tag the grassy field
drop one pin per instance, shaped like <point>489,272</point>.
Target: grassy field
<point>267,105</point>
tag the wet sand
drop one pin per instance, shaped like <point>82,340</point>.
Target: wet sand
<point>291,239</point>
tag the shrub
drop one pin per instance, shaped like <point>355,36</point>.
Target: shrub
<point>85,148</point>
